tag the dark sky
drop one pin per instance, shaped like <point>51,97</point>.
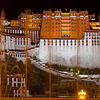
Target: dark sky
<point>14,7</point>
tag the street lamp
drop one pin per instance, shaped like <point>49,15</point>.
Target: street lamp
<point>82,94</point>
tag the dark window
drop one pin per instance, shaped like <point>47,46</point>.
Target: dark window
<point>44,42</point>
<point>10,38</point>
<point>48,42</point>
<point>59,42</point>
<point>79,42</point>
<point>86,42</point>
<point>5,38</point>
<point>67,42</point>
<point>63,42</point>
<point>75,42</point>
<point>52,42</point>
<point>82,42</point>
<point>71,42</point>
<point>56,42</point>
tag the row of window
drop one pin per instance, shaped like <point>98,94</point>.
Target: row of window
<point>68,14</point>
<point>83,19</point>
<point>53,30</point>
<point>74,26</point>
<point>19,31</point>
<point>91,34</point>
<point>32,21</point>
<point>15,23</point>
<point>34,17</point>
<point>54,33</point>
<point>92,37</point>
<point>57,19</point>
<point>19,41</point>
<point>34,37</point>
<point>77,30</point>
<point>23,25</point>
<point>18,85</point>
<point>71,42</point>
<point>18,55</point>
<point>52,27</point>
<point>65,26</point>
<point>53,23</point>
<point>81,23</point>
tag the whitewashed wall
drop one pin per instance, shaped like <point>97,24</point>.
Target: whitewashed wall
<point>63,53</point>
<point>89,55</point>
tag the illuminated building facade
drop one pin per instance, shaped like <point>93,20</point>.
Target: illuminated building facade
<point>94,25</point>
<point>66,26</point>
<point>15,23</point>
<point>64,51</point>
<point>34,34</point>
<point>63,29</point>
<point>34,20</point>
<point>70,24</point>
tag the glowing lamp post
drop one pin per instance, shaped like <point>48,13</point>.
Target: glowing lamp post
<point>82,94</point>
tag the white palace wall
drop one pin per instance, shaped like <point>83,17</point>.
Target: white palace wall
<point>64,51</point>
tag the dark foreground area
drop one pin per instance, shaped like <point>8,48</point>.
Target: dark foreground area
<point>12,98</point>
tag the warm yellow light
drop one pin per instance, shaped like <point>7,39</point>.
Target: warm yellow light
<point>82,94</point>
<point>82,97</point>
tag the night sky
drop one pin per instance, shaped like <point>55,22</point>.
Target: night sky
<point>14,7</point>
